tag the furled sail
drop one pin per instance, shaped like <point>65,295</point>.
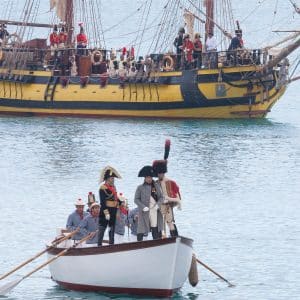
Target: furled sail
<point>60,6</point>
<point>189,19</point>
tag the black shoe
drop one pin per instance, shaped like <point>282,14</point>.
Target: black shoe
<point>111,235</point>
<point>140,237</point>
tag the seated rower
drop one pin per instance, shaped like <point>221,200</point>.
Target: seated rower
<point>121,219</point>
<point>133,220</point>
<point>90,223</point>
<point>75,219</point>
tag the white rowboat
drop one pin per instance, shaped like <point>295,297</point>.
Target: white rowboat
<point>154,268</point>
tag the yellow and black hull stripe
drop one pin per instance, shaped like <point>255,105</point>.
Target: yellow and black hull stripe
<point>229,93</point>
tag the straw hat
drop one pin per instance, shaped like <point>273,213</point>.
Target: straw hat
<point>121,197</point>
<point>79,202</point>
<point>94,205</point>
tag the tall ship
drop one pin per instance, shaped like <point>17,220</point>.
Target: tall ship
<point>194,65</point>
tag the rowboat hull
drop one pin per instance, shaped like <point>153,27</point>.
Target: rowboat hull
<point>154,267</point>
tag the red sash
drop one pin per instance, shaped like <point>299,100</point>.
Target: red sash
<point>112,189</point>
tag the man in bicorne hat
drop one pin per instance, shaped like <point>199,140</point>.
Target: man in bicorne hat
<point>171,195</point>
<point>109,203</point>
<point>148,197</point>
<point>75,218</point>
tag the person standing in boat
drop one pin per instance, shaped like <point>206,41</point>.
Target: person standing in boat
<point>170,191</point>
<point>148,198</point>
<point>109,203</point>
<point>171,196</point>
<point>178,43</point>
<point>211,49</point>
<point>90,224</point>
<point>82,41</point>
<point>75,218</point>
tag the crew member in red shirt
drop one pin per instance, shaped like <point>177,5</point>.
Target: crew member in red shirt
<point>188,48</point>
<point>81,41</point>
<point>62,37</point>
<point>54,40</point>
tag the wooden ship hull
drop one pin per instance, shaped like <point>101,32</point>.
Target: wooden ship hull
<point>215,93</point>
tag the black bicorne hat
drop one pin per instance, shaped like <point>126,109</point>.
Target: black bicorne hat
<point>146,171</point>
<point>55,28</point>
<point>109,174</point>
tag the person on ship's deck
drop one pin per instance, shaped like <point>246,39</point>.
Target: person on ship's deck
<point>3,34</point>
<point>178,43</point>
<point>82,41</point>
<point>211,49</point>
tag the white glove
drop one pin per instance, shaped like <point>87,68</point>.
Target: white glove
<point>166,201</point>
<point>107,217</point>
<point>145,209</point>
<point>156,207</point>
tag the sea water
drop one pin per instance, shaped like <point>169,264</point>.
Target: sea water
<point>239,181</point>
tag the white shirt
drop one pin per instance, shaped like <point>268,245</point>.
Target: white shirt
<point>211,44</point>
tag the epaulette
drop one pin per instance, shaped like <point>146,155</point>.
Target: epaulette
<point>103,187</point>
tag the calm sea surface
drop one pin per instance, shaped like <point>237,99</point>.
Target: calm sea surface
<point>239,182</point>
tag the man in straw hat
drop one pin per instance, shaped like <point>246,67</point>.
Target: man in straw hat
<point>90,223</point>
<point>75,218</point>
<point>109,203</point>
<point>148,197</point>
<point>170,191</point>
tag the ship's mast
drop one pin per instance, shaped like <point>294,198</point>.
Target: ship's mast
<point>69,17</point>
<point>209,24</point>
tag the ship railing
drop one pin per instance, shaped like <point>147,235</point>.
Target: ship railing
<point>40,59</point>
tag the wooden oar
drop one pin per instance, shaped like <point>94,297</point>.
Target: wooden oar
<point>9,286</point>
<point>53,244</point>
<point>210,269</point>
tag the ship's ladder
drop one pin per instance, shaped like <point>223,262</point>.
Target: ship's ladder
<point>50,89</point>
